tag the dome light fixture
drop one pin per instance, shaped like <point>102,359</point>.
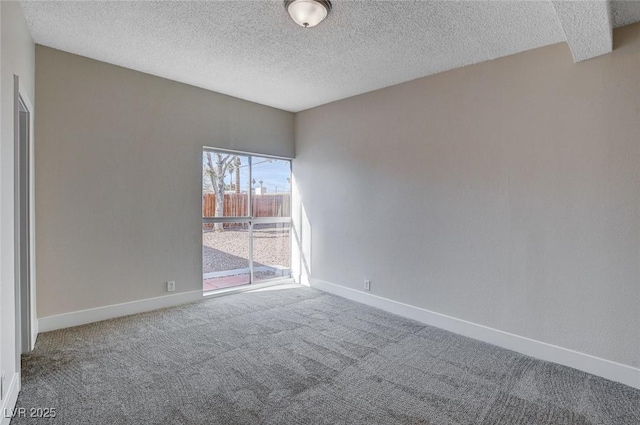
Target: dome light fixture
<point>308,13</point>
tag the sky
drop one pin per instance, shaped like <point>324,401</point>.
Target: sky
<point>273,173</point>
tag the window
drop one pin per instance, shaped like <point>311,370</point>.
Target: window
<point>246,219</point>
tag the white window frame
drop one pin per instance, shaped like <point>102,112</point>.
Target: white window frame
<point>250,220</point>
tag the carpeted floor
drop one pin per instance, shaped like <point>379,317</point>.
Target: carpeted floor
<point>299,356</point>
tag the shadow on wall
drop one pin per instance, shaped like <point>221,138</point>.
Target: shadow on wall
<point>626,36</point>
<point>301,232</point>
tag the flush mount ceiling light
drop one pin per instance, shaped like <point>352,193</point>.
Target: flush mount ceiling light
<point>308,13</point>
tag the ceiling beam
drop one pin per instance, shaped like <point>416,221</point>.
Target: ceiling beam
<point>587,27</point>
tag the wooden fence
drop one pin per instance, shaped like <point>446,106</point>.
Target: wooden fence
<point>237,204</point>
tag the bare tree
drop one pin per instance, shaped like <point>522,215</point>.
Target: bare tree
<point>236,167</point>
<point>218,165</point>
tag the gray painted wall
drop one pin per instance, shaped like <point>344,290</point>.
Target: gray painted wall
<point>505,193</point>
<point>17,58</point>
<point>118,178</point>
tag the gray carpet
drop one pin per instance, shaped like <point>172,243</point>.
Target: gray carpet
<point>299,356</point>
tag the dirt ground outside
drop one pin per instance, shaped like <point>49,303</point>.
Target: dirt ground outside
<point>229,249</point>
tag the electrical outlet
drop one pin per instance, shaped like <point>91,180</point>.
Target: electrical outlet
<point>171,286</point>
<point>367,285</point>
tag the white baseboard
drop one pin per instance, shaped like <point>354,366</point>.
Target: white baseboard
<point>91,315</point>
<point>541,350</point>
<point>9,401</point>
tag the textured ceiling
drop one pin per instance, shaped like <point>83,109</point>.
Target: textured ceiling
<point>625,12</point>
<point>253,50</point>
<point>587,27</point>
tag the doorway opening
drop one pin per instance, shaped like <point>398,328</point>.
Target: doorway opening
<point>25,308</point>
<point>246,219</point>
